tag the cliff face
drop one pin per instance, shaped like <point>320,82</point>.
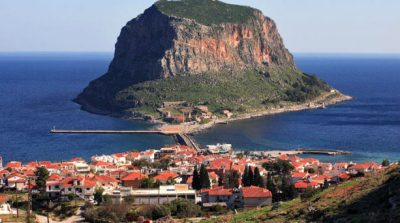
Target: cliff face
<point>157,45</point>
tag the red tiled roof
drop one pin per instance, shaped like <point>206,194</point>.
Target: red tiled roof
<point>213,175</point>
<point>220,192</point>
<point>54,176</point>
<point>164,176</point>
<point>77,159</point>
<point>104,178</point>
<point>13,164</point>
<point>299,175</point>
<point>359,166</point>
<point>135,176</point>
<point>344,176</point>
<point>253,191</point>
<point>3,199</point>
<point>89,183</point>
<point>119,155</point>
<point>100,163</point>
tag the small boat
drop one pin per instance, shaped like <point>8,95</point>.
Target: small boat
<point>323,105</point>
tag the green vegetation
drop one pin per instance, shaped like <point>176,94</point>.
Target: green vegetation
<point>207,12</point>
<point>373,198</point>
<point>239,92</point>
<point>42,174</point>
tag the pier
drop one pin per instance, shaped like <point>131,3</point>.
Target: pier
<point>331,152</point>
<point>277,153</point>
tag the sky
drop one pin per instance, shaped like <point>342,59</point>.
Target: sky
<point>307,26</point>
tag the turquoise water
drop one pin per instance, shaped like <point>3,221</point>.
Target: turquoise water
<point>36,92</point>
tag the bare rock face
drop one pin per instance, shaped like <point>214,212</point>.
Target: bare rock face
<point>160,45</point>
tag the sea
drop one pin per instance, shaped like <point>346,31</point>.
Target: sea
<point>36,92</point>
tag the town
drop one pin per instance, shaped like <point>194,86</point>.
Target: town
<point>216,178</point>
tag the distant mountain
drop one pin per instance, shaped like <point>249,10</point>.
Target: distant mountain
<point>203,52</point>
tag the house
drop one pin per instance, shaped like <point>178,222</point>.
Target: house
<point>301,186</point>
<point>163,194</point>
<point>16,181</point>
<point>298,166</point>
<point>99,167</point>
<point>133,179</point>
<point>166,176</point>
<point>342,167</point>
<point>80,186</point>
<point>5,207</point>
<point>106,182</point>
<point>81,168</point>
<point>13,165</point>
<point>325,167</point>
<point>120,158</point>
<point>217,195</point>
<point>148,155</point>
<point>256,196</point>
<point>359,168</point>
<point>298,176</point>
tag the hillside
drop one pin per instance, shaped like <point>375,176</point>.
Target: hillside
<point>204,52</point>
<point>374,198</point>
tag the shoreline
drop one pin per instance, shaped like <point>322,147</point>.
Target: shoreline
<point>327,99</point>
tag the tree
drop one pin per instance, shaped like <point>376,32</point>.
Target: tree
<point>204,178</point>
<point>385,162</point>
<point>98,195</point>
<point>130,199</point>
<point>221,177</point>
<point>147,183</point>
<point>183,208</point>
<point>233,179</point>
<point>288,190</point>
<point>326,184</point>
<point>280,167</point>
<point>250,175</point>
<point>245,176</point>
<point>272,187</point>
<point>42,174</point>
<point>258,180</point>
<point>311,170</point>
<point>196,179</point>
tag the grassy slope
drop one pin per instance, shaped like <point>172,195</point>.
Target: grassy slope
<point>247,91</point>
<point>375,198</point>
<point>207,12</point>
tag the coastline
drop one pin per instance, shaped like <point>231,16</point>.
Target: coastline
<point>327,99</point>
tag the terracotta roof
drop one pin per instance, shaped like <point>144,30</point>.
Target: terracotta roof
<point>135,176</point>
<point>100,163</point>
<point>299,175</point>
<point>301,185</point>
<point>13,164</point>
<point>341,164</point>
<point>3,199</point>
<point>253,191</point>
<point>104,178</point>
<point>344,176</point>
<point>164,176</point>
<point>220,192</point>
<point>359,166</point>
<point>54,176</point>
<point>305,185</point>
<point>89,183</point>
<point>213,175</point>
<point>77,159</point>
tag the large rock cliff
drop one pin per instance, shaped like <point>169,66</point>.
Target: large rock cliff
<point>176,48</point>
